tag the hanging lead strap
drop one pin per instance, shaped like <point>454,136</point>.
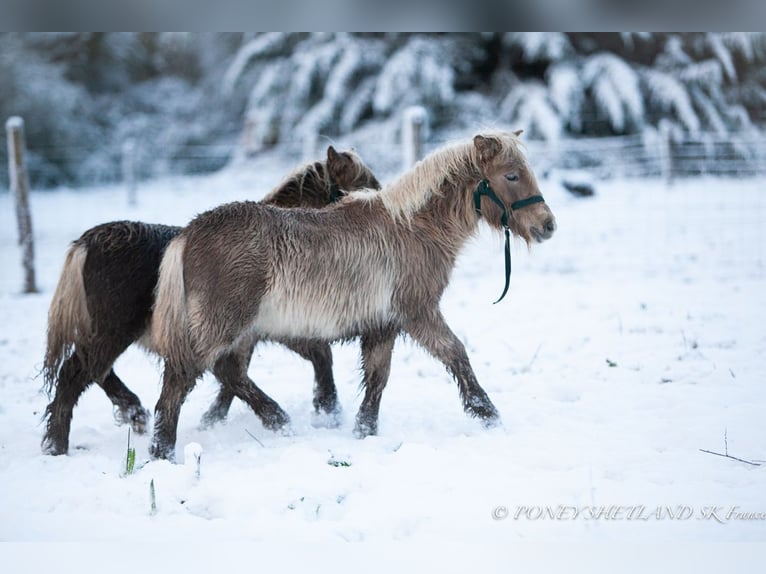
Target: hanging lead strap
<point>483,189</point>
<point>507,264</point>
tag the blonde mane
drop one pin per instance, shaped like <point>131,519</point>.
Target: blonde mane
<point>450,164</point>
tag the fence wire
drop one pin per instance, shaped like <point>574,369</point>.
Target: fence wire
<point>605,157</point>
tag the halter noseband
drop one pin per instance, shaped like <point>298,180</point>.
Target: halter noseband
<point>484,189</point>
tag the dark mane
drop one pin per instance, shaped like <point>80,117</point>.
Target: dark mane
<point>307,186</point>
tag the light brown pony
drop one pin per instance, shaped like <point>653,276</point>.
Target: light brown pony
<point>371,266</point>
<point>103,304</point>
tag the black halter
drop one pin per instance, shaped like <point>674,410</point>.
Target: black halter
<point>483,189</point>
<point>335,194</point>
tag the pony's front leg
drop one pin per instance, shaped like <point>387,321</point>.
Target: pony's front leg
<point>376,363</point>
<point>432,332</point>
<point>175,388</point>
<point>326,406</point>
<point>218,411</point>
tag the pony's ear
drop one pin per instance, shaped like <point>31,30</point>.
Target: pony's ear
<point>487,148</point>
<point>338,161</point>
<point>517,133</point>
<point>340,167</point>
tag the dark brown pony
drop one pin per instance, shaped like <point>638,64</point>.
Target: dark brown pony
<point>371,266</point>
<point>103,304</point>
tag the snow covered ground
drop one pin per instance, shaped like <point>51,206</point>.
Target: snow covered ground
<point>632,339</point>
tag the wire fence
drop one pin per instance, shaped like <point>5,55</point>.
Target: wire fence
<point>632,156</point>
<point>642,156</point>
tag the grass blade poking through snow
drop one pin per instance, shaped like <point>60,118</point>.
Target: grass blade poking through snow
<point>336,462</point>
<point>130,458</point>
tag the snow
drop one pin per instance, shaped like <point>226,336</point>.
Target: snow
<point>669,94</point>
<point>628,342</point>
<point>538,46</point>
<point>415,74</point>
<point>14,123</point>
<point>615,87</point>
<point>528,106</point>
<point>193,458</point>
<point>566,92</point>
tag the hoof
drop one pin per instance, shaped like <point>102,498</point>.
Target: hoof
<point>327,419</point>
<point>365,429</point>
<point>482,408</point>
<point>54,448</point>
<point>136,416</point>
<point>492,422</point>
<point>276,420</point>
<point>162,452</point>
<point>209,420</point>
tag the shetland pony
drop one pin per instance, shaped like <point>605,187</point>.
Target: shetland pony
<point>371,266</point>
<point>104,298</point>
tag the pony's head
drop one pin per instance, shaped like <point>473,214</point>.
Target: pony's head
<point>503,165</point>
<point>320,183</point>
<point>348,172</point>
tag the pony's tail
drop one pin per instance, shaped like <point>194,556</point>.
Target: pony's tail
<point>68,319</point>
<point>170,323</point>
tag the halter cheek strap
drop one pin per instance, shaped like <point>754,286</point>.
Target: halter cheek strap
<point>484,189</point>
<point>335,194</point>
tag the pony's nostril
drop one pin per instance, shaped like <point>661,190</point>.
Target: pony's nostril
<point>550,226</point>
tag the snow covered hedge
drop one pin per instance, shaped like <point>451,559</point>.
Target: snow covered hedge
<point>193,100</point>
<point>552,84</point>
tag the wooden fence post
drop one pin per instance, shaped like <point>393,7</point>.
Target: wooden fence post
<point>17,171</point>
<point>414,126</point>
<point>666,155</point>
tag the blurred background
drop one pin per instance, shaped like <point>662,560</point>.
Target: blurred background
<point>616,104</point>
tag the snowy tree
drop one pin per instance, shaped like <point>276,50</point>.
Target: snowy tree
<point>190,100</point>
<point>695,82</point>
<point>59,118</point>
<point>529,105</point>
<point>83,94</point>
<point>331,83</point>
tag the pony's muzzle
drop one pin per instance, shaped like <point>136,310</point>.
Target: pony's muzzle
<point>545,232</point>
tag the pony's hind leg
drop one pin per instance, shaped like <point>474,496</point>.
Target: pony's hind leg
<point>100,359</point>
<point>376,363</point>
<point>327,409</point>
<point>72,381</point>
<point>231,370</point>
<point>175,388</point>
<point>129,408</point>
<point>432,332</point>
<point>89,363</point>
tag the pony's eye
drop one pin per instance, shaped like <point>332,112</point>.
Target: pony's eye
<point>512,177</point>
